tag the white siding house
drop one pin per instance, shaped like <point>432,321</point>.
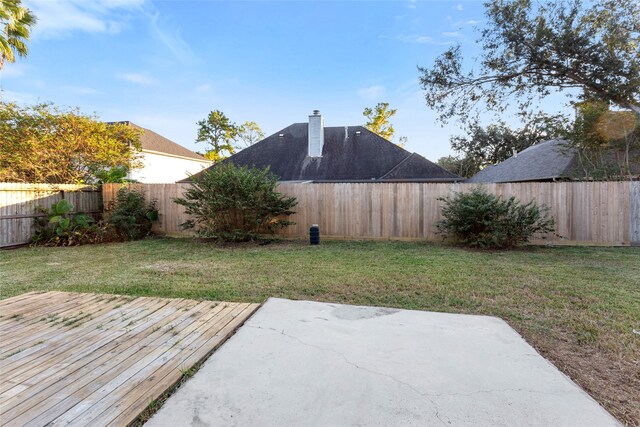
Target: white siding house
<point>164,161</point>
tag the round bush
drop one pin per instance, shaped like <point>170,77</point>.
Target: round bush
<point>480,219</point>
<point>236,204</point>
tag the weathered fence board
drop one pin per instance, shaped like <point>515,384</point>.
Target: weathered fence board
<point>597,213</point>
<point>634,219</point>
<point>20,203</point>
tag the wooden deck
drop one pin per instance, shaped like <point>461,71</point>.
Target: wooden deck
<point>90,359</point>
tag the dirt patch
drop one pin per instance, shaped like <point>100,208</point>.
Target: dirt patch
<point>612,381</point>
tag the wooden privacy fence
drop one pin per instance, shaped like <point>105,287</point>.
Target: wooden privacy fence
<point>19,205</point>
<point>597,213</point>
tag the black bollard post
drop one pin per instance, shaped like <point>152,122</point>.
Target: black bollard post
<point>314,234</point>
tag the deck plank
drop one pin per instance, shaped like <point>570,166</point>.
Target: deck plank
<point>66,336</point>
<point>86,367</point>
<point>77,374</point>
<point>24,310</point>
<point>137,402</point>
<point>105,367</point>
<point>45,320</point>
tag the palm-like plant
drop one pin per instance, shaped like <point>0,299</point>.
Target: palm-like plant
<point>15,25</point>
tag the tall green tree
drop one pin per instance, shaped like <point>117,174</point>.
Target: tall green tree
<point>248,134</point>
<point>220,133</point>
<point>378,120</point>
<point>533,48</point>
<point>607,142</point>
<point>45,144</point>
<point>483,146</point>
<point>15,27</point>
<point>463,166</point>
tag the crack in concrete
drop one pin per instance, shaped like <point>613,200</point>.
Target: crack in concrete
<point>427,396</point>
<point>347,361</point>
<point>498,390</point>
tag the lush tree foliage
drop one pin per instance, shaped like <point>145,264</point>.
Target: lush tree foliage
<point>608,142</point>
<point>43,143</point>
<point>378,120</point>
<point>532,48</point>
<point>15,27</point>
<point>483,146</point>
<point>116,175</point>
<point>225,136</point>
<point>248,134</point>
<point>463,166</point>
<point>232,203</point>
<point>220,133</point>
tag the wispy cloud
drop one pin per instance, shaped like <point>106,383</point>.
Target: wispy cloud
<point>19,97</point>
<point>137,78</point>
<point>204,88</point>
<point>171,39</point>
<point>412,4</point>
<point>416,38</point>
<point>459,7</point>
<point>13,70</point>
<point>460,24</point>
<point>82,90</point>
<point>372,93</point>
<point>452,34</point>
<point>61,18</point>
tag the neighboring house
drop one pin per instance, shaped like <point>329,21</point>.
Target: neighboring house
<point>551,160</point>
<point>312,152</point>
<point>163,160</point>
<point>547,161</point>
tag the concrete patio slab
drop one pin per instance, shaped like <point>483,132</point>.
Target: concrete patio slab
<point>299,363</point>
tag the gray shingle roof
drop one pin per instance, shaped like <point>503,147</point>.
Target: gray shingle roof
<point>155,142</point>
<point>548,160</point>
<point>350,153</point>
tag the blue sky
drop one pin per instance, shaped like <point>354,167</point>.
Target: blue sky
<point>165,64</point>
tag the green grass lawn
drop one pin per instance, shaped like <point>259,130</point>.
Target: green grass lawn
<point>577,306</point>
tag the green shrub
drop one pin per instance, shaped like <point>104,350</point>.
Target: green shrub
<point>116,174</point>
<point>131,215</point>
<point>479,219</point>
<point>236,204</point>
<point>62,227</point>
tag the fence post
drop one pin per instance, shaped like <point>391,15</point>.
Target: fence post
<point>634,214</point>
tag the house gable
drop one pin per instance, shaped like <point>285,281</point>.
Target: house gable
<point>349,153</point>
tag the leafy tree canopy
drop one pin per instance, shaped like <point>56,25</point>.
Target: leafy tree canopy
<point>220,133</point>
<point>532,48</point>
<point>483,146</point>
<point>225,137</point>
<point>43,143</point>
<point>378,120</point>
<point>607,142</point>
<point>249,134</point>
<point>463,166</point>
<point>15,27</point>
